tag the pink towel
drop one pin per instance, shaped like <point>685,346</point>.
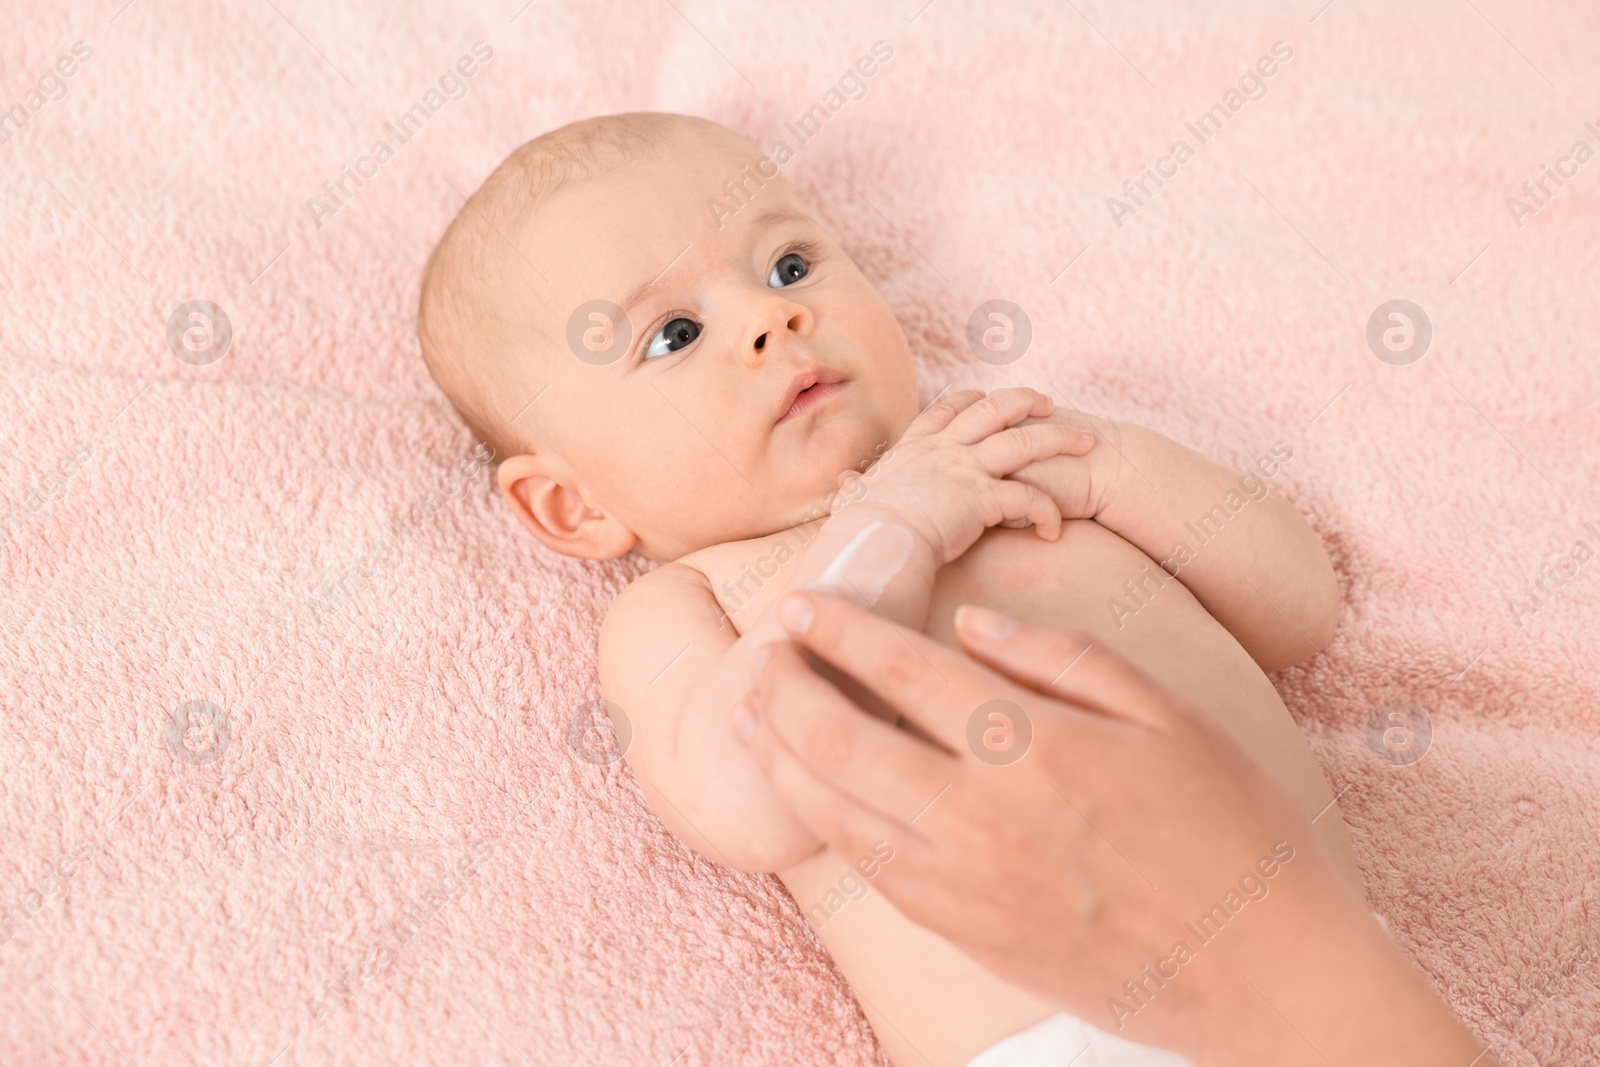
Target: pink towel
<point>295,754</point>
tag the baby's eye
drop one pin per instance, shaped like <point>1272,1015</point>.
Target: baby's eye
<point>791,268</point>
<point>671,337</point>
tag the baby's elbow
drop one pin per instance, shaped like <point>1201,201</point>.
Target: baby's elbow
<point>750,836</point>
<point>1319,634</point>
<point>1325,605</point>
<point>775,854</point>
<point>769,851</point>
<point>1310,633</point>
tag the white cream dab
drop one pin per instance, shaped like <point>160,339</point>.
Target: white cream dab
<point>866,566</point>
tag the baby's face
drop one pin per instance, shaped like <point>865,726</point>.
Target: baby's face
<point>758,368</point>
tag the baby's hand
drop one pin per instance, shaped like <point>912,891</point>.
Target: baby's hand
<point>1081,483</point>
<point>946,478</point>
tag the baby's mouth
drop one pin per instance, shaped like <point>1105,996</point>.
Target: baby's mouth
<point>808,390</point>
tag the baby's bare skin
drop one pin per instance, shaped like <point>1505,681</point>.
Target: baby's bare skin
<point>926,1001</point>
<point>755,363</point>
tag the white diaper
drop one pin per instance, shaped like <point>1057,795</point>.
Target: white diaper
<point>1067,1041</point>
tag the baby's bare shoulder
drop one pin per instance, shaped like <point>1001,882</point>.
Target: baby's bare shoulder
<point>671,597</point>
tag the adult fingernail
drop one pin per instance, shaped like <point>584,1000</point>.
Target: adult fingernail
<point>763,654</point>
<point>796,612</point>
<point>744,720</point>
<point>986,623</point>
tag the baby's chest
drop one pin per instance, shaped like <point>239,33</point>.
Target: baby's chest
<point>1089,578</point>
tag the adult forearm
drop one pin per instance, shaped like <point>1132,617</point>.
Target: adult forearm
<point>1309,978</point>
<point>1349,996</point>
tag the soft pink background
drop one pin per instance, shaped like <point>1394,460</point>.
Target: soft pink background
<point>371,744</point>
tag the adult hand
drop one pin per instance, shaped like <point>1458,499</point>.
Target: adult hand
<point>1085,833</point>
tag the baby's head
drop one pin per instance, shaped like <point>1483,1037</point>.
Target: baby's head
<point>677,425</point>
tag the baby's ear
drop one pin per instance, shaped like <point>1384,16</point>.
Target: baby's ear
<point>544,494</point>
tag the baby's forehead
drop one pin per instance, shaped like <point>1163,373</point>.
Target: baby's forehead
<point>699,185</point>
<point>651,223</point>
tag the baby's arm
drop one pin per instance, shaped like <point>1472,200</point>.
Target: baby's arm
<point>1244,552</point>
<point>676,669</point>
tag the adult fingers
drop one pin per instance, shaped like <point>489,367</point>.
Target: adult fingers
<point>998,410</point>
<point>937,415</point>
<point>933,685</point>
<point>884,767</point>
<point>848,826</point>
<point>1068,664</point>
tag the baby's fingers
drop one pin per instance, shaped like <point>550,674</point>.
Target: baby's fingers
<point>1011,450</point>
<point>937,415</point>
<point>1001,408</point>
<point>1022,505</point>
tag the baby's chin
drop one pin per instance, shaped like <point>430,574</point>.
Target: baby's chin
<point>852,442</point>
<point>811,500</point>
<point>832,475</point>
<point>813,479</point>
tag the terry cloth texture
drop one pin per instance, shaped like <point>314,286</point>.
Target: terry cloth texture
<point>298,747</point>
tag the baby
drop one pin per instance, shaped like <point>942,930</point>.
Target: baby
<point>700,384</point>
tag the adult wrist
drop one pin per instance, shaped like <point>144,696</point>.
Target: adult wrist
<point>1318,980</point>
